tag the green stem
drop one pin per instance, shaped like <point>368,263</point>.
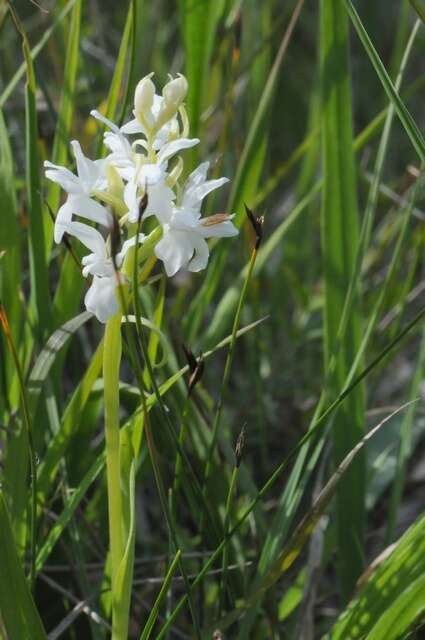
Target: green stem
<point>111,369</point>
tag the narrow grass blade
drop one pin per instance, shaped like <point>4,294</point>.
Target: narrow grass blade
<point>40,299</point>
<point>147,630</point>
<point>58,445</point>
<point>339,245</point>
<point>48,355</point>
<point>17,608</point>
<point>68,511</point>
<point>305,528</point>
<point>66,110</point>
<point>315,428</point>
<point>241,185</point>
<point>419,7</point>
<point>406,119</point>
<point>199,21</point>
<point>10,262</point>
<point>35,51</point>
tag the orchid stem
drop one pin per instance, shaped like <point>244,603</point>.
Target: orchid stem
<point>111,370</point>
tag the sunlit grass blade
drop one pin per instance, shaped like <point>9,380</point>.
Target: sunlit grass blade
<point>405,445</point>
<point>339,245</point>
<point>17,608</point>
<point>392,599</point>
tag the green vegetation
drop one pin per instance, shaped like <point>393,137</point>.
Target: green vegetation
<point>233,450</point>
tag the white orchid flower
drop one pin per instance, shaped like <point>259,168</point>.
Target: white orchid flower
<point>183,243</point>
<point>101,298</point>
<point>132,165</point>
<point>91,177</point>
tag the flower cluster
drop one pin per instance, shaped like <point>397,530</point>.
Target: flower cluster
<point>143,163</point>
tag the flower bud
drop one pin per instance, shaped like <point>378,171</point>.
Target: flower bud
<point>175,92</point>
<point>143,98</point>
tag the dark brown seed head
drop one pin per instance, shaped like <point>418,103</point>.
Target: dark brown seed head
<point>196,367</point>
<point>240,443</point>
<point>257,225</point>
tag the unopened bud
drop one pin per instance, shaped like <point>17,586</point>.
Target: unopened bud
<point>143,98</point>
<point>175,92</point>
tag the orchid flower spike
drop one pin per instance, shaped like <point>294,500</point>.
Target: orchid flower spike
<point>138,179</point>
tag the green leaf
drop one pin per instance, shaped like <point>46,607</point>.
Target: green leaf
<point>18,611</point>
<point>339,221</point>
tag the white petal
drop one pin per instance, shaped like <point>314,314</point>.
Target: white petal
<point>62,220</point>
<point>208,186</point>
<point>160,202</point>
<point>198,176</point>
<point>63,177</point>
<point>89,236</point>
<point>175,249</point>
<point>221,230</point>
<point>87,170</point>
<point>113,127</point>
<point>150,174</point>
<point>132,201</point>
<point>134,126</point>
<point>87,208</point>
<point>97,266</point>
<point>101,298</point>
<point>184,219</point>
<point>171,148</point>
<point>200,259</point>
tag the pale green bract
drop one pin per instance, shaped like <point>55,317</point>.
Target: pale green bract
<point>147,164</point>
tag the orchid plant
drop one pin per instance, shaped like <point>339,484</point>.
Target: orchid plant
<point>107,203</point>
<point>149,165</point>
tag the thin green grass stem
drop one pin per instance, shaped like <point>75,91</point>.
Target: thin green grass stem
<point>226,527</point>
<point>225,380</point>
